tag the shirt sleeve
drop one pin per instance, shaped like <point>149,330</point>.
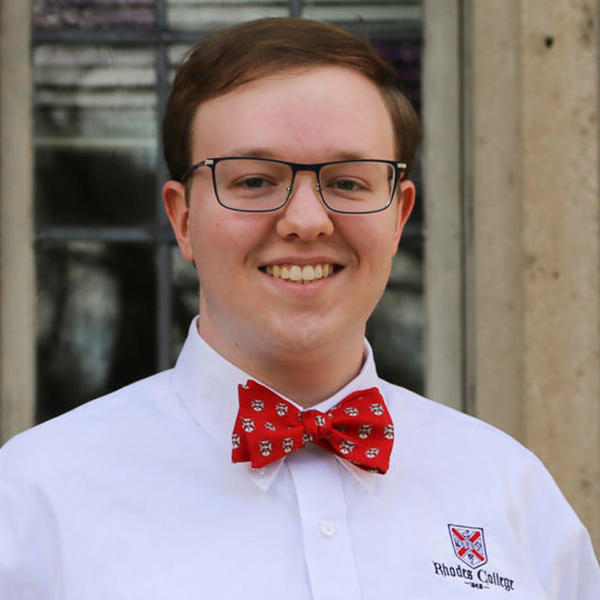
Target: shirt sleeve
<point>27,545</point>
<point>554,538</point>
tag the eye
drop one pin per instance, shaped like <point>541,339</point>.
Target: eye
<point>254,182</point>
<point>346,185</point>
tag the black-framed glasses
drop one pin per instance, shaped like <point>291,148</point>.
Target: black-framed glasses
<point>357,186</point>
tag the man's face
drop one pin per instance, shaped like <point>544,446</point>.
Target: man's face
<point>316,115</point>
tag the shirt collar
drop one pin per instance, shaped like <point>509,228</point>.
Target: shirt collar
<point>207,384</point>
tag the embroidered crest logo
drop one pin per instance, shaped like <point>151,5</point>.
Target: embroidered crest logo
<point>469,545</point>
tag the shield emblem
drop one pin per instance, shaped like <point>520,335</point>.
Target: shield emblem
<point>468,544</point>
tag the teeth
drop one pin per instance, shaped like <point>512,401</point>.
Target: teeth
<point>295,273</point>
<point>308,273</point>
<point>300,274</point>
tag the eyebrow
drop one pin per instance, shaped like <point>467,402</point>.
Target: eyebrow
<point>257,152</point>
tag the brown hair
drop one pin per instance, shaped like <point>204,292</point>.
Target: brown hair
<point>254,49</point>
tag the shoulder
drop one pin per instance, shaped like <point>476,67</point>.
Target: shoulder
<point>438,443</point>
<point>105,422</point>
<point>462,458</point>
<point>441,427</point>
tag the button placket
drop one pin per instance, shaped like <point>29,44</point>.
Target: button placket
<point>327,544</point>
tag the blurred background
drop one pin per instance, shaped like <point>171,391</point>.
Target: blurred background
<point>493,306</point>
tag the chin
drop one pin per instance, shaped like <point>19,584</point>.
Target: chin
<point>306,335</point>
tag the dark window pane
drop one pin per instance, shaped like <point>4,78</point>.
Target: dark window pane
<point>94,187</point>
<point>96,315</point>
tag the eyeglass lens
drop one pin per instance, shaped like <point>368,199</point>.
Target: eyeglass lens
<point>258,185</point>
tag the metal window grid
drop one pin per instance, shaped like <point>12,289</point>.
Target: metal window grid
<point>159,234</point>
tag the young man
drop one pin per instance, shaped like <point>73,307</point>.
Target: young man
<point>264,464</point>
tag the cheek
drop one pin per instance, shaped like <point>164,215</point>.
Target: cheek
<point>209,230</point>
<point>208,245</point>
<point>375,238</point>
<point>224,240</point>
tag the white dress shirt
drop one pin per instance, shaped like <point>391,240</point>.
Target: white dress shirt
<point>134,497</point>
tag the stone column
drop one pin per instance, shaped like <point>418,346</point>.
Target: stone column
<point>17,309</point>
<point>443,183</point>
<point>534,320</point>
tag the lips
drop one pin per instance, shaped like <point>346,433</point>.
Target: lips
<point>301,273</point>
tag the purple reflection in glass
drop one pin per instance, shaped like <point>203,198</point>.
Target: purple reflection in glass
<point>94,14</point>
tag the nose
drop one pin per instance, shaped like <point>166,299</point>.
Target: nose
<point>304,216</point>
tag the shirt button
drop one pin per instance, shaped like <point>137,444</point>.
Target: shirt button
<point>327,527</point>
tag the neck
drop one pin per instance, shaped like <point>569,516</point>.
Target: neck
<point>307,376</point>
<point>310,381</point>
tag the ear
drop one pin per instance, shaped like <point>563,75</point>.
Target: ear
<point>178,211</point>
<point>406,204</point>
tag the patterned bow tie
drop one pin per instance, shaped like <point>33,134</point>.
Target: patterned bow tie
<point>359,428</point>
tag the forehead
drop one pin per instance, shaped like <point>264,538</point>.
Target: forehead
<point>314,114</point>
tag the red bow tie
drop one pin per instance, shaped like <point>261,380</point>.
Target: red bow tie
<point>359,428</point>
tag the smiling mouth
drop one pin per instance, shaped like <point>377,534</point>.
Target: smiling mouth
<point>301,273</point>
